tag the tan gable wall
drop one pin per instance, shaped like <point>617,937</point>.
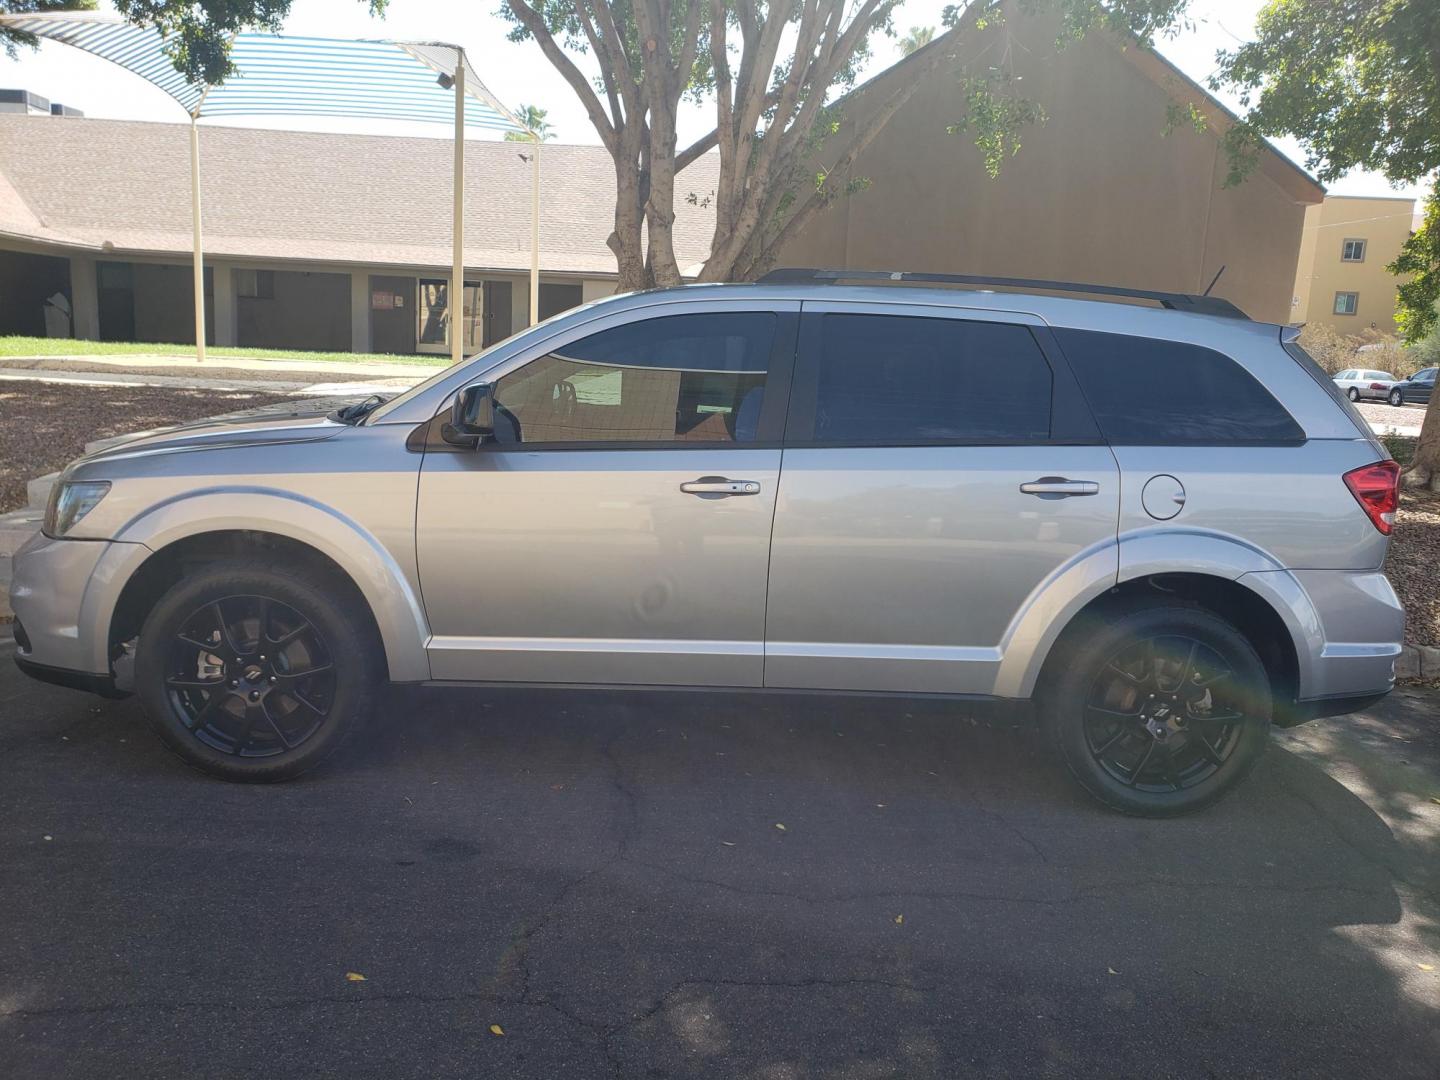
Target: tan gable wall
<point>1384,224</point>
<point>1098,193</point>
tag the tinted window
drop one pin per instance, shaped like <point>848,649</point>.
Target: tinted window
<point>900,379</point>
<point>684,378</point>
<point>1428,375</point>
<point>1149,393</point>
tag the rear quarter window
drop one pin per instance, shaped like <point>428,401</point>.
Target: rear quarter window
<point>1149,392</point>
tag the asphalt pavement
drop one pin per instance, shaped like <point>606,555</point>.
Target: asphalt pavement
<point>516,884</point>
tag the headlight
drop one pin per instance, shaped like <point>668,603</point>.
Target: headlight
<point>70,502</point>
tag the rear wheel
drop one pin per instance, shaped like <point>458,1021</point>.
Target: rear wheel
<point>252,673</point>
<point>1161,711</point>
<point>1397,398</point>
<point>1353,394</point>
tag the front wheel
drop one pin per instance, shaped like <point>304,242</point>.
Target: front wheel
<point>1159,711</point>
<point>1397,398</point>
<point>253,673</point>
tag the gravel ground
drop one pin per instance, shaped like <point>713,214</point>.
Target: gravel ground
<point>1414,565</point>
<point>43,426</point>
<point>1380,413</point>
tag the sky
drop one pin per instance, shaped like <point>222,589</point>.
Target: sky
<point>517,73</point>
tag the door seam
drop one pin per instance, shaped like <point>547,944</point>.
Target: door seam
<point>769,558</point>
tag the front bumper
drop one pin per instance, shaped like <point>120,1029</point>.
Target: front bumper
<point>63,593</point>
<point>104,685</point>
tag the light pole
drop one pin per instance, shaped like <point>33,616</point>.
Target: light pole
<point>456,302</point>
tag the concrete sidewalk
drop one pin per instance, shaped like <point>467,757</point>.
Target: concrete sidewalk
<point>289,377</point>
<point>217,367</point>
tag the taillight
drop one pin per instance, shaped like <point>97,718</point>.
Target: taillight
<point>1378,386</point>
<point>1377,489</point>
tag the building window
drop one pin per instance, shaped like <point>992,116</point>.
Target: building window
<point>255,284</point>
<point>1352,251</point>
<point>1347,303</point>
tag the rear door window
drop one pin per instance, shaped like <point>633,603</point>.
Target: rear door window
<point>909,380</point>
<point>1149,392</point>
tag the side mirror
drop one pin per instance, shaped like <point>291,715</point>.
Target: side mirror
<point>473,416</point>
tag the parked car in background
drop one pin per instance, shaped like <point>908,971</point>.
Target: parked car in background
<point>1361,384</point>
<point>1414,390</point>
<point>1160,532</point>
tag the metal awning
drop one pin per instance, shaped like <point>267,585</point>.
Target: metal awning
<point>283,75</point>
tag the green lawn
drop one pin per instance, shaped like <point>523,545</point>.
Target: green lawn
<point>36,346</point>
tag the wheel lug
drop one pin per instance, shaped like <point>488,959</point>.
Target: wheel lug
<point>272,678</point>
<point>234,683</point>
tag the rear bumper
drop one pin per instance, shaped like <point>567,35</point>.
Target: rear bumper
<point>1362,627</point>
<point>1304,711</point>
<point>1346,626</point>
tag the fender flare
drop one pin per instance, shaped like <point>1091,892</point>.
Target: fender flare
<point>393,601</point>
<point>1055,602</point>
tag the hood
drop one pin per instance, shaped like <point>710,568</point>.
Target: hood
<point>289,421</point>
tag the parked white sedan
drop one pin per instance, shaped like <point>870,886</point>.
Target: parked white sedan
<point>1359,383</point>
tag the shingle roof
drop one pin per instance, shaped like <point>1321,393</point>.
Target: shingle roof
<point>334,198</point>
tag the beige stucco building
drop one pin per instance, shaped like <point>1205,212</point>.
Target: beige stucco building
<point>1098,192</point>
<point>1341,280</point>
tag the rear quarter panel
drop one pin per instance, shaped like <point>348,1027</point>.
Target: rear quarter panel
<point>1289,503</point>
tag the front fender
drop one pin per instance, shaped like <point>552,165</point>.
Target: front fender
<point>370,565</point>
<point>1057,600</point>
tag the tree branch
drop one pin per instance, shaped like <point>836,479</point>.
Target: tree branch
<point>532,21</point>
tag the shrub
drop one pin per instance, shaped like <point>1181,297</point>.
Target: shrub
<point>1335,351</point>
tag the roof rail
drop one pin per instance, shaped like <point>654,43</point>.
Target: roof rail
<point>1199,305</point>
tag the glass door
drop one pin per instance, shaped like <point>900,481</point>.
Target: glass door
<point>433,316</point>
<point>432,313</point>
<point>474,318</point>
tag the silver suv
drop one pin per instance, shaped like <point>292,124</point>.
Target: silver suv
<point>1153,521</point>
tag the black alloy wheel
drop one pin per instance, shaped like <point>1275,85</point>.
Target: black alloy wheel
<point>254,672</point>
<point>1158,709</point>
<point>250,676</point>
<point>1164,714</point>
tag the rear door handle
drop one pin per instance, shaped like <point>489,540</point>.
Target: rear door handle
<point>719,485</point>
<point>1060,486</point>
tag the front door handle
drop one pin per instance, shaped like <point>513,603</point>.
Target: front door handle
<point>1059,486</point>
<point>719,485</point>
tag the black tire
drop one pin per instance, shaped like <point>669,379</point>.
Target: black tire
<point>1127,729</point>
<point>267,688</point>
<point>1353,394</point>
<point>1397,398</point>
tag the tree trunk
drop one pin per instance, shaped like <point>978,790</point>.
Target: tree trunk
<point>1425,469</point>
<point>627,241</point>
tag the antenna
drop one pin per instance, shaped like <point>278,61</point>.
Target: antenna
<point>1213,280</point>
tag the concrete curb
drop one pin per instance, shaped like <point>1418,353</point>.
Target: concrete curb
<point>1418,662</point>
